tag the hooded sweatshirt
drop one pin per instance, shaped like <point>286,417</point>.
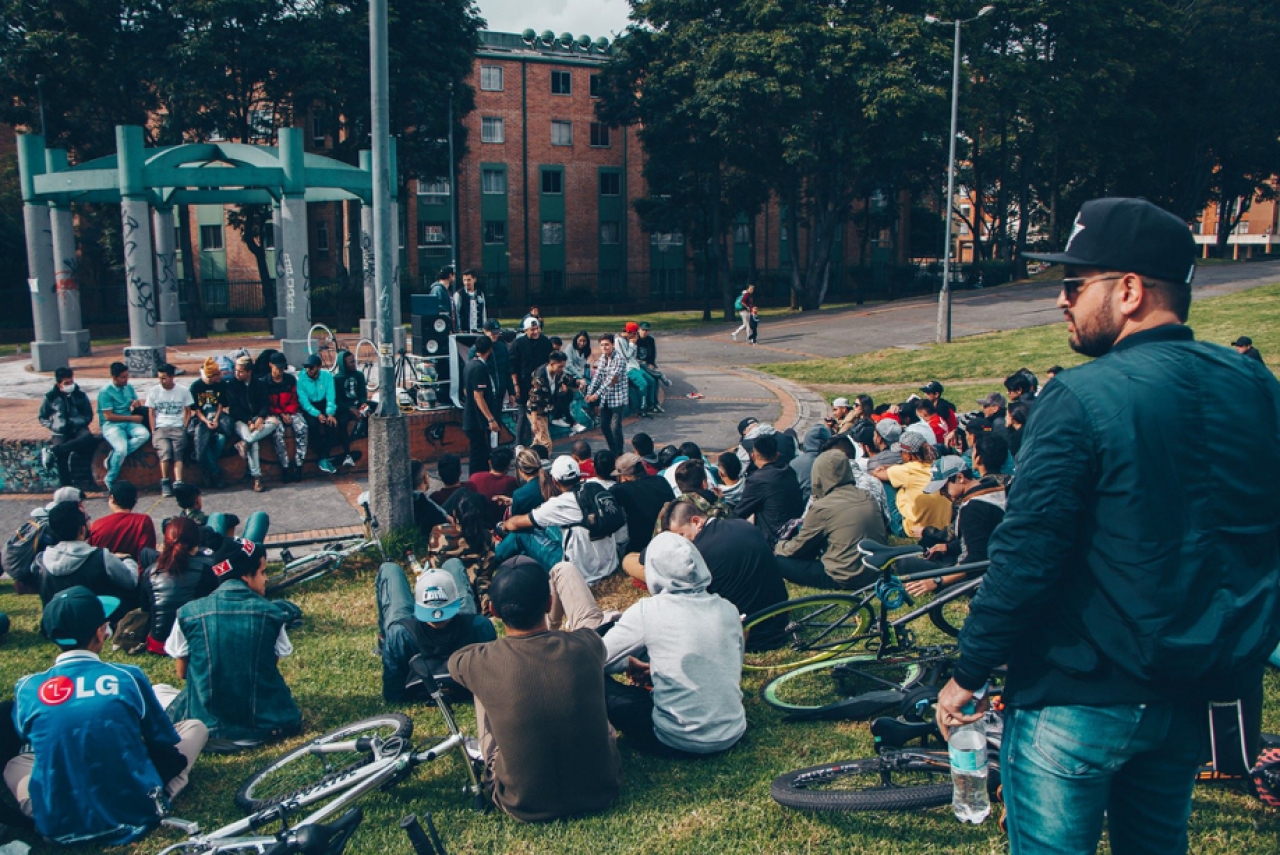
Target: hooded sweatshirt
<point>803,463</point>
<point>839,517</point>
<point>350,387</point>
<point>694,640</point>
<point>72,562</point>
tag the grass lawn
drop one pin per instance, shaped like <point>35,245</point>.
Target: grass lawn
<point>569,325</point>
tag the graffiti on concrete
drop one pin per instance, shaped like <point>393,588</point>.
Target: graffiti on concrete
<point>65,277</point>
<point>142,361</point>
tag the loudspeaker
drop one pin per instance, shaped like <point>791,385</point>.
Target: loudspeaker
<point>428,304</point>
<point>430,334</point>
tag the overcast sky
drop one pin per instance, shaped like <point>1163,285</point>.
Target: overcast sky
<point>594,18</point>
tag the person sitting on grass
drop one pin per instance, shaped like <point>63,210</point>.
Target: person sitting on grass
<point>72,561</point>
<point>496,486</point>
<point>581,452</point>
<point>688,644</point>
<point>182,572</point>
<point>449,471</point>
<point>104,759</point>
<point>642,444</point>
<point>463,546</point>
<point>533,482</point>
<point>217,526</point>
<point>731,480</point>
<point>540,697</point>
<point>122,425</point>
<point>908,478</point>
<point>424,620</point>
<point>426,513</point>
<point>122,530</point>
<point>228,646</point>
<point>772,492</point>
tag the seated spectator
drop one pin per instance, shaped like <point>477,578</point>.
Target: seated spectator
<point>849,447</point>
<point>603,463</point>
<point>642,497</point>
<point>423,621</point>
<point>170,408</point>
<point>596,559</point>
<point>120,420</point>
<point>319,402</point>
<point>1015,420</point>
<point>980,505</point>
<point>352,395</point>
<point>581,452</point>
<point>944,409</point>
<point>533,477</point>
<point>642,444</point>
<point>539,692</point>
<point>426,513</point>
<point>122,530</point>
<point>730,479</point>
<point>463,547</point>
<point>1055,370</point>
<point>693,486</point>
<point>917,508</point>
<point>449,471</point>
<point>743,569</point>
<point>66,413</point>
<point>647,351</point>
<point>102,749</point>
<point>217,526</point>
<point>666,458</point>
<point>286,412</point>
<point>693,642</point>
<point>841,418</point>
<point>885,451</point>
<point>824,554</point>
<point>750,429</point>
<point>1243,345</point>
<point>772,492</point>
<point>212,424</point>
<point>927,414</point>
<point>496,485</point>
<point>1021,386</point>
<point>182,572</point>
<point>73,562</point>
<point>688,451</point>
<point>250,413</point>
<point>227,646</point>
<point>802,465</point>
<point>646,386</point>
<point>914,420</point>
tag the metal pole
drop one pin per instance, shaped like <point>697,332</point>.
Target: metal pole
<point>383,263</point>
<point>944,296</point>
<point>453,197</point>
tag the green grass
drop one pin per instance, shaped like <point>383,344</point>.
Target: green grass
<point>715,805</point>
<point>568,325</point>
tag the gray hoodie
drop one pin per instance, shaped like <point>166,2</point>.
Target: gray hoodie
<point>803,464</point>
<point>65,558</point>
<point>694,640</point>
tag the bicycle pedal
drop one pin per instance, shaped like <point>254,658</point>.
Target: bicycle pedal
<point>285,555</point>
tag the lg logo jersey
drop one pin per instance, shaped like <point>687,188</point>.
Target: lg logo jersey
<point>59,690</point>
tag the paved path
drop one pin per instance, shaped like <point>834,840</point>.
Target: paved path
<point>704,360</point>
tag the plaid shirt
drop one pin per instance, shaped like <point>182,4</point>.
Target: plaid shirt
<point>609,381</point>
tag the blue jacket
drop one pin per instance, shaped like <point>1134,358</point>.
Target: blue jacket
<point>90,724</point>
<point>312,391</point>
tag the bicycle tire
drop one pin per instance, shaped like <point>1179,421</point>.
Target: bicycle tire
<point>270,785</point>
<point>800,789</point>
<point>323,345</point>
<point>304,568</point>
<point>944,616</point>
<point>819,684</point>
<point>366,355</point>
<point>817,628</point>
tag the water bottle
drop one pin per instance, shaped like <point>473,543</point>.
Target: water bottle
<point>967,748</point>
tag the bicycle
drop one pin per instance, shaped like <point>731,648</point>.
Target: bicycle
<point>328,558</point>
<point>366,356</point>
<point>333,770</point>
<point>320,342</point>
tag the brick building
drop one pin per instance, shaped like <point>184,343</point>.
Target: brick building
<point>1255,234</point>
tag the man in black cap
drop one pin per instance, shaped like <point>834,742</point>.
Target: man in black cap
<point>1244,346</point>
<point>1123,592</point>
<point>499,362</point>
<point>479,406</point>
<point>943,408</point>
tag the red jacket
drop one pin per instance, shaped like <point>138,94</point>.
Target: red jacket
<point>282,397</point>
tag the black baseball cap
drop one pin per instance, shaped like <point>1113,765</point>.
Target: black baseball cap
<point>74,615</point>
<point>931,387</point>
<point>1242,341</point>
<point>1129,235</point>
<point>492,324</point>
<point>312,361</point>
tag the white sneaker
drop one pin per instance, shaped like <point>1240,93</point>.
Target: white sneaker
<point>734,335</point>
<point>46,458</point>
<point>561,423</point>
<point>577,429</point>
<point>348,462</point>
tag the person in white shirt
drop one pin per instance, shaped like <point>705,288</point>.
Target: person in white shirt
<point>170,407</point>
<point>595,559</point>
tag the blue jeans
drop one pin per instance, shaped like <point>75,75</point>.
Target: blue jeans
<point>124,438</point>
<point>646,386</point>
<point>1064,767</point>
<point>255,528</point>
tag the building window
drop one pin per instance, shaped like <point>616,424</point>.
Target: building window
<point>492,130</point>
<point>433,234</point>
<point>268,235</point>
<point>553,233</point>
<point>665,241</point>
<point>561,83</point>
<point>322,238</point>
<point>610,183</point>
<point>211,238</point>
<point>599,135</point>
<point>1242,228</point>
<point>317,130</point>
<point>493,181</point>
<point>433,192</point>
<point>552,181</point>
<point>495,231</point>
<point>611,232</point>
<point>561,132</point>
<point>491,78</point>
<point>741,233</point>
<point>595,86</point>
<point>964,217</point>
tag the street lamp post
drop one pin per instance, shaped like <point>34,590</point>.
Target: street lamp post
<point>944,295</point>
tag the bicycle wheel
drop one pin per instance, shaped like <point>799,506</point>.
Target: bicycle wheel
<point>821,684</point>
<point>308,567</point>
<point>805,630</point>
<point>950,616</point>
<point>320,342</point>
<point>298,770</point>
<point>366,354</point>
<point>896,780</point>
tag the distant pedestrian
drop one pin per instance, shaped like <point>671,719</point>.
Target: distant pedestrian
<point>468,305</point>
<point>745,306</point>
<point>1244,345</point>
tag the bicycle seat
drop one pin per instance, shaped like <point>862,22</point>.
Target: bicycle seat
<point>878,555</point>
<point>895,733</point>
<point>320,838</point>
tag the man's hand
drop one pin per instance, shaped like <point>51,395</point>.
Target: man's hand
<point>638,672</point>
<point>255,425</point>
<point>591,399</point>
<point>921,586</point>
<point>935,550</point>
<point>328,420</point>
<point>951,699</point>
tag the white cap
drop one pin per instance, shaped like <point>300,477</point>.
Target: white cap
<point>840,402</point>
<point>530,323</point>
<point>565,468</point>
<point>435,597</point>
<point>65,494</point>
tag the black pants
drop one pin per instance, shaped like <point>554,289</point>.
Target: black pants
<point>320,437</point>
<point>524,430</point>
<point>812,573</point>
<point>345,420</point>
<point>479,442</point>
<point>611,427</point>
<point>82,442</point>
<point>630,710</point>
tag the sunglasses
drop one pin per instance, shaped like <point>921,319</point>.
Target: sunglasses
<point>1071,287</point>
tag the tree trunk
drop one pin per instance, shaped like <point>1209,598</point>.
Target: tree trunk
<point>1226,222</point>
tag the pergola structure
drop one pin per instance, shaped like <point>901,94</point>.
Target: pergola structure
<point>148,184</point>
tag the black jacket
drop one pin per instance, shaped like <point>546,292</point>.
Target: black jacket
<point>773,495</point>
<point>247,401</point>
<point>528,354</point>
<point>647,350</point>
<point>65,415</point>
<point>1139,558</point>
<point>164,593</point>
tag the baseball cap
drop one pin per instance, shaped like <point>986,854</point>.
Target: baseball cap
<point>942,470</point>
<point>1242,341</point>
<point>644,325</point>
<point>840,402</point>
<point>932,387</point>
<point>565,469</point>
<point>237,558</point>
<point>312,361</point>
<point>745,424</point>
<point>435,597</point>
<point>912,441</point>
<point>530,323</point>
<point>864,433</point>
<point>492,324</point>
<point>279,360</point>
<point>65,494</point>
<point>1129,235</point>
<point>632,326</point>
<point>628,464</point>
<point>889,430</point>
<point>74,615</point>
<point>995,399</point>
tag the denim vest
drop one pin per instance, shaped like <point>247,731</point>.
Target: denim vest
<point>233,681</point>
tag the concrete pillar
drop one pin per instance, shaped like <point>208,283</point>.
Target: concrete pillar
<point>64,266</point>
<point>146,349</point>
<point>278,330</point>
<point>389,488</point>
<point>172,328</point>
<point>292,251</point>
<point>48,351</point>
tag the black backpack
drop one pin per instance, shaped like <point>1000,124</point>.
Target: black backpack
<point>19,555</point>
<point>601,514</point>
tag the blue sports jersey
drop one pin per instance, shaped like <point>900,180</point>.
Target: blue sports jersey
<point>89,723</point>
